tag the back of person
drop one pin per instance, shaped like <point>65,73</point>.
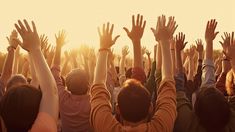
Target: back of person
<point>75,113</point>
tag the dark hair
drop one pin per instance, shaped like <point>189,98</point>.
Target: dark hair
<point>19,107</point>
<point>212,109</point>
<point>134,101</point>
<point>16,80</point>
<point>77,82</point>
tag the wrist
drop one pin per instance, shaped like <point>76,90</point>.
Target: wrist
<point>10,48</point>
<point>200,56</point>
<point>135,42</point>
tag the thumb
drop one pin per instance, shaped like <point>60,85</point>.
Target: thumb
<point>153,30</point>
<point>216,34</point>
<point>115,39</point>
<point>127,31</point>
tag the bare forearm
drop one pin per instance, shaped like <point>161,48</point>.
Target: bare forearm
<point>7,67</point>
<point>114,72</point>
<point>64,68</point>
<point>191,69</point>
<point>159,58</point>
<point>166,61</point>
<point>138,61</point>
<point>34,80</point>
<point>101,68</point>
<point>57,57</point>
<point>122,66</point>
<point>16,65</point>
<point>49,102</point>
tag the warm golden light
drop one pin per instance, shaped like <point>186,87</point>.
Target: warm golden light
<point>81,18</point>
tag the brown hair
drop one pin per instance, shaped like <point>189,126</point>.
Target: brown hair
<point>19,107</point>
<point>134,101</point>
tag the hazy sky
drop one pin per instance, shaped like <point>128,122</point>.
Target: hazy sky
<point>80,18</point>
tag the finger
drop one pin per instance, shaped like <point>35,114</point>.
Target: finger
<point>144,25</point>
<point>174,29</point>
<point>127,31</point>
<point>103,28</point>
<point>21,26</point>
<point>18,29</point>
<point>111,30</point>
<point>137,20</point>
<point>34,27</point>
<point>107,28</point>
<point>232,39</point>
<point>141,20</point>
<point>216,34</point>
<point>27,26</point>
<point>115,39</point>
<point>133,20</point>
<point>169,21</point>
<point>153,30</point>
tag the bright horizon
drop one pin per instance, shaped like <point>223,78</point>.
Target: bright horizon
<point>80,19</point>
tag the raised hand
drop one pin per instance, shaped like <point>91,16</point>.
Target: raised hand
<point>44,42</point>
<point>163,31</point>
<point>125,51</point>
<point>179,42</point>
<point>210,33</point>
<point>13,39</point>
<point>137,30</point>
<point>229,45</point>
<point>106,40</point>
<point>60,38</point>
<point>199,46</point>
<point>30,37</point>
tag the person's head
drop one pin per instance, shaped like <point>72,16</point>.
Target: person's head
<point>134,102</point>
<point>15,80</point>
<point>19,107</point>
<point>230,83</point>
<point>77,82</point>
<point>212,109</point>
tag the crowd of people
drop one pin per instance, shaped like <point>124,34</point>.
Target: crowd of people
<point>174,89</point>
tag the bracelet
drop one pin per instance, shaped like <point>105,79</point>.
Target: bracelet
<point>10,48</point>
<point>104,49</point>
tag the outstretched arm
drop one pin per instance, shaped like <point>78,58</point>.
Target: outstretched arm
<point>166,102</point>
<point>208,75</point>
<point>60,41</point>
<point>8,64</point>
<point>228,62</point>
<point>31,43</point>
<point>135,35</point>
<point>100,104</point>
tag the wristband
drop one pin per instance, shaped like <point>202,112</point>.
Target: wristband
<point>9,48</point>
<point>104,49</point>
